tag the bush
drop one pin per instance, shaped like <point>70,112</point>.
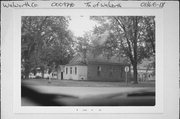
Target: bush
<point>38,77</point>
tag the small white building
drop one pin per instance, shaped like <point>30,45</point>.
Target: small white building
<point>72,71</point>
<point>75,72</point>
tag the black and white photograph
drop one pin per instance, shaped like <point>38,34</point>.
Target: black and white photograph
<point>88,60</point>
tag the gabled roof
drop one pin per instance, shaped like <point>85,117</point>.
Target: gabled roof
<point>90,59</point>
<point>77,63</point>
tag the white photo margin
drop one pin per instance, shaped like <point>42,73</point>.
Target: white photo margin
<point>159,100</point>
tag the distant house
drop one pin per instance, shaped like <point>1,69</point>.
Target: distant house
<point>93,68</point>
<point>146,71</point>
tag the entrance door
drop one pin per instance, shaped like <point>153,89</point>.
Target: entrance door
<point>61,75</point>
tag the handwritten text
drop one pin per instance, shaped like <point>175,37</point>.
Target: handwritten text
<point>152,4</point>
<point>102,5</point>
<point>63,4</point>
<point>20,5</point>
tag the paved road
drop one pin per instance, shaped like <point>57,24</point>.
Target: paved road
<point>74,95</point>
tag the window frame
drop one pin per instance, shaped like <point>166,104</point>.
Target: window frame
<point>99,69</point>
<point>66,70</point>
<point>71,70</point>
<point>75,70</point>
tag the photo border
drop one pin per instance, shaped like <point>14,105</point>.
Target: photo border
<point>158,108</point>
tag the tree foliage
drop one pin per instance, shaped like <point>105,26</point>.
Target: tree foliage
<point>45,40</point>
<point>132,36</point>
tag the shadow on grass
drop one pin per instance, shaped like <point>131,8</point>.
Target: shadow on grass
<point>72,83</point>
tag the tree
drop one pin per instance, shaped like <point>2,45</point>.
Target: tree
<point>134,36</point>
<point>45,40</point>
<point>149,33</point>
<point>128,28</point>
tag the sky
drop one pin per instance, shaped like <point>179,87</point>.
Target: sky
<point>80,24</point>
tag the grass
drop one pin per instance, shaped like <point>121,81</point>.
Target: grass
<point>72,83</point>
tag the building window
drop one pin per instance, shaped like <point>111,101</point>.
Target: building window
<point>111,72</point>
<point>70,70</point>
<point>121,71</point>
<point>66,70</point>
<point>98,70</point>
<point>75,70</point>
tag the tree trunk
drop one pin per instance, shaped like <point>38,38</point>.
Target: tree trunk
<point>42,74</point>
<point>135,49</point>
<point>135,72</point>
<point>27,71</point>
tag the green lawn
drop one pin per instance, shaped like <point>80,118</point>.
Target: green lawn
<point>72,83</point>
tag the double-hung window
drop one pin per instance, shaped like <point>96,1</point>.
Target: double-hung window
<point>70,70</point>
<point>75,70</point>
<point>99,70</point>
<point>66,70</point>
